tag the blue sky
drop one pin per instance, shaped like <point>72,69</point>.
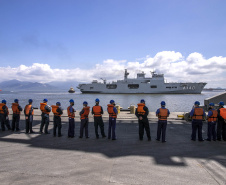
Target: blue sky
<point>71,34</point>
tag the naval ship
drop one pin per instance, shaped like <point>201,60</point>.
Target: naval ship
<point>142,85</point>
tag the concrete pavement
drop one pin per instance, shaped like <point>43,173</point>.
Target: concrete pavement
<point>43,159</point>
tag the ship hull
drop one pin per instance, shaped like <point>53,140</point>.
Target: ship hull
<point>166,88</point>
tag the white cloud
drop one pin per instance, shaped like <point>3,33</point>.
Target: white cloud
<point>175,67</point>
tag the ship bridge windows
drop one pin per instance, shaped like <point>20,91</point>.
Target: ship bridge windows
<point>111,86</point>
<point>133,86</point>
<point>153,86</point>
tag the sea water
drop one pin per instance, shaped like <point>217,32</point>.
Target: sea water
<point>174,102</point>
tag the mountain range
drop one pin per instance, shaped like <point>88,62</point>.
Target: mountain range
<point>16,85</point>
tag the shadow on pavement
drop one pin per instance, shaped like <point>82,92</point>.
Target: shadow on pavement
<point>172,153</point>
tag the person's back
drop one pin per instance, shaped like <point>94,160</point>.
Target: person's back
<point>97,112</point>
<point>29,112</point>
<point>142,113</point>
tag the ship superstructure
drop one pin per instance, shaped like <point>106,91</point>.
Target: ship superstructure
<point>140,85</point>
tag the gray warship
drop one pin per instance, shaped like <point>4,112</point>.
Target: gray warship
<point>142,85</point>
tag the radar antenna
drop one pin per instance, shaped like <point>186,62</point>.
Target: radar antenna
<point>126,74</point>
<point>104,80</point>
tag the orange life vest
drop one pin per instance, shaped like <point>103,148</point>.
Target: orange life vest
<point>27,110</point>
<point>140,108</point>
<point>15,108</point>
<point>198,114</point>
<point>42,108</point>
<point>163,114</point>
<point>223,113</point>
<point>1,108</point>
<point>97,111</point>
<point>85,113</point>
<point>111,112</point>
<point>54,110</point>
<point>70,114</point>
<point>214,116</point>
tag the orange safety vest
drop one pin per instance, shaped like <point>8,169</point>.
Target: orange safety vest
<point>42,108</point>
<point>1,108</point>
<point>223,113</point>
<point>15,108</point>
<point>214,116</point>
<point>140,108</point>
<point>54,110</point>
<point>97,111</point>
<point>111,112</point>
<point>163,114</point>
<point>198,114</point>
<point>27,110</point>
<point>86,112</point>
<point>70,114</point>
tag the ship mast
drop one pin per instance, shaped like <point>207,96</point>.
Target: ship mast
<point>126,74</point>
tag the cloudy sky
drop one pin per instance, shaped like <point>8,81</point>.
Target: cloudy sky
<point>82,40</point>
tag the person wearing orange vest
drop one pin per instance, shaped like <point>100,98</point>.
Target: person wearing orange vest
<point>112,111</point>
<point>57,111</point>
<point>142,113</point>
<point>16,108</point>
<point>162,114</point>
<point>97,112</point>
<point>4,116</point>
<point>84,116</point>
<point>197,115</point>
<point>45,116</point>
<point>212,119</point>
<point>71,115</point>
<point>29,112</point>
<point>221,124</point>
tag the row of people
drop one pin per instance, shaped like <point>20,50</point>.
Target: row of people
<point>198,114</point>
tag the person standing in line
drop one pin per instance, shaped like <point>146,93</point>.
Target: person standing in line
<point>221,124</point>
<point>71,115</point>
<point>142,115</point>
<point>4,115</point>
<point>84,116</point>
<point>112,111</point>
<point>29,112</point>
<point>162,114</point>
<point>197,114</point>
<point>16,108</point>
<point>45,116</point>
<point>212,119</point>
<point>97,111</point>
<point>57,111</point>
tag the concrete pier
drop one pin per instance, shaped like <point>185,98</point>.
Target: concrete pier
<point>44,159</point>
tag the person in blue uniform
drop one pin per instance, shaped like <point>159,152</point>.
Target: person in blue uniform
<point>71,115</point>
<point>4,115</point>
<point>97,112</point>
<point>197,115</point>
<point>46,109</point>
<point>142,115</point>
<point>212,119</point>
<point>112,111</point>
<point>84,116</point>
<point>16,108</point>
<point>29,112</point>
<point>162,114</point>
<point>57,119</point>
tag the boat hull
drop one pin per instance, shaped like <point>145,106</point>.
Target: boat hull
<point>166,88</point>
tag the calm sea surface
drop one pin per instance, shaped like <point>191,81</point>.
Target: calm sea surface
<point>175,102</point>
